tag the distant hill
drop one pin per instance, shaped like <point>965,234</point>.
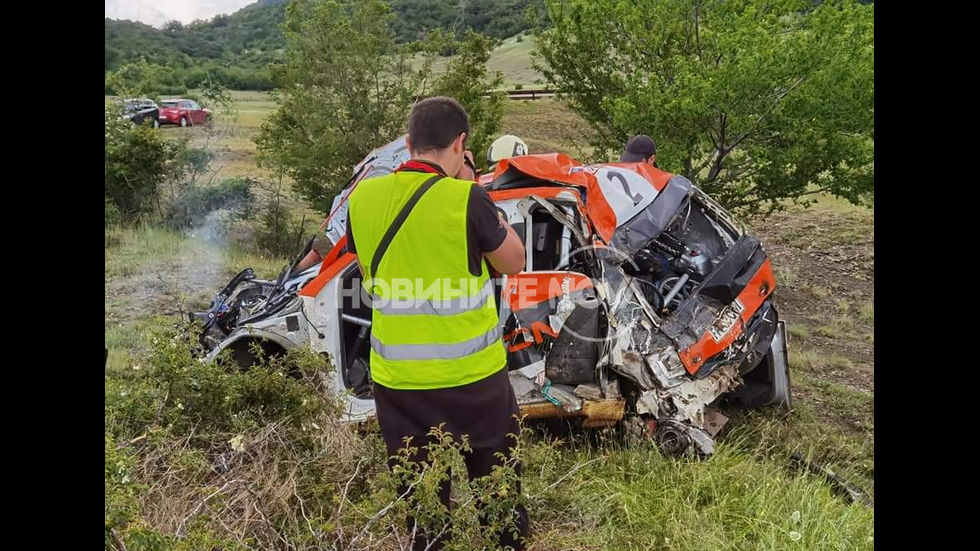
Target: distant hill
<point>236,48</point>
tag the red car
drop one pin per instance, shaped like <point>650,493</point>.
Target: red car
<point>183,112</point>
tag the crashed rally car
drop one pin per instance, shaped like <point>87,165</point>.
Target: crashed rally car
<point>642,301</point>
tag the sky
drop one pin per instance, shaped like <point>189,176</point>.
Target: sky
<point>158,12</point>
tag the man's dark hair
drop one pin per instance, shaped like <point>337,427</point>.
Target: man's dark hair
<point>436,122</point>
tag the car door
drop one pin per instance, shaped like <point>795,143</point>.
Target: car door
<point>198,115</point>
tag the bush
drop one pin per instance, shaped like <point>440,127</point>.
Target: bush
<point>112,214</point>
<point>197,201</point>
<point>142,79</point>
<point>189,446</point>
<point>178,430</point>
<point>279,232</point>
<point>186,396</point>
<point>137,160</point>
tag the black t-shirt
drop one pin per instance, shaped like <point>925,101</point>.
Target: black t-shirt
<point>485,232</point>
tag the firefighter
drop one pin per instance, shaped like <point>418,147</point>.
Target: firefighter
<point>437,358</point>
<point>505,147</point>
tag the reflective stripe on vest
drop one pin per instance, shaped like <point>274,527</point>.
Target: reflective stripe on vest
<point>436,351</point>
<point>447,307</point>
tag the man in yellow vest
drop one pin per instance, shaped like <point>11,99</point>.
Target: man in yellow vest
<point>423,240</point>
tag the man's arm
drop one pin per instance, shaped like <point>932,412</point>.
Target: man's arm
<point>492,236</point>
<point>321,246</point>
<point>508,258</point>
<point>309,260</point>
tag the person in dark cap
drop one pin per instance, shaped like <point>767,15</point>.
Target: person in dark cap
<point>640,149</point>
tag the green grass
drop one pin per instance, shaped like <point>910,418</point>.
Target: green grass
<point>252,108</point>
<point>838,205</point>
<point>809,359</point>
<point>817,291</point>
<point>136,249</point>
<point>547,125</point>
<point>827,224</point>
<point>513,60</point>
<point>786,276</point>
<point>151,270</point>
<point>631,497</point>
<point>829,331</point>
<point>800,332</point>
<point>867,312</point>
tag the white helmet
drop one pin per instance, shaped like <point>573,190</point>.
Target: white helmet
<point>505,147</point>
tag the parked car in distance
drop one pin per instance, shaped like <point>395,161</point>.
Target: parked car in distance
<point>183,112</point>
<point>141,111</point>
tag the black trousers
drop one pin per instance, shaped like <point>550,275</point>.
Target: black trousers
<point>485,410</point>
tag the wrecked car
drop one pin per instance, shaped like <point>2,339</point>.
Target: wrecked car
<point>250,312</point>
<point>643,302</point>
<point>250,315</point>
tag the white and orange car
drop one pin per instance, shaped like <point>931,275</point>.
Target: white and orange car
<point>642,302</point>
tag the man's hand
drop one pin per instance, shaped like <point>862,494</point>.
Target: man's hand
<point>308,261</point>
<point>468,170</point>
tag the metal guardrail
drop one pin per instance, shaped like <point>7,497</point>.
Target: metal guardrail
<point>530,93</point>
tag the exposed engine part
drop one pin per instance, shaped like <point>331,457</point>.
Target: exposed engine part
<point>648,263</point>
<point>672,438</point>
<point>678,439</point>
<point>694,261</point>
<point>675,289</point>
<point>668,244</point>
<point>652,294</point>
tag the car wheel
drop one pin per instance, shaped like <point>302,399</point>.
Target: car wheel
<point>184,123</point>
<point>156,123</point>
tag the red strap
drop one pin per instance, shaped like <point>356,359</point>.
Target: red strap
<point>418,166</point>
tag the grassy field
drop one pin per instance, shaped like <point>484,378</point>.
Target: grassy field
<point>545,124</point>
<point>594,491</point>
<point>231,140</point>
<point>513,59</point>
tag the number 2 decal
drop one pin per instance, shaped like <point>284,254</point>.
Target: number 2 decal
<point>637,198</point>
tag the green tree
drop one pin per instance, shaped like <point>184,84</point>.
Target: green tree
<point>137,160</point>
<point>134,80</point>
<point>753,100</point>
<point>478,89</point>
<point>345,83</point>
<point>347,86</point>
